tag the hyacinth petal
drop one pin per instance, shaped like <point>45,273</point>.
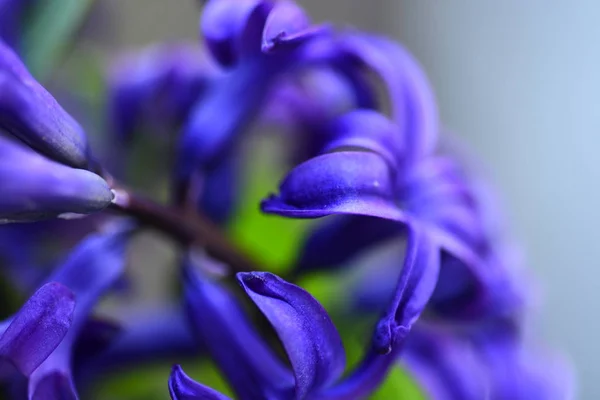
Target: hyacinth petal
<point>30,113</point>
<point>412,101</point>
<point>222,24</point>
<point>345,182</point>
<point>182,387</point>
<point>369,130</point>
<point>90,270</point>
<point>445,365</point>
<point>340,238</point>
<point>416,284</point>
<point>37,188</point>
<point>308,335</point>
<point>250,366</point>
<point>38,328</point>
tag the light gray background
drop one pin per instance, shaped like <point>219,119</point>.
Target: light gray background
<point>520,80</point>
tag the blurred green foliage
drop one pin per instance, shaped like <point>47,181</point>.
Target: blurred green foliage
<point>50,29</point>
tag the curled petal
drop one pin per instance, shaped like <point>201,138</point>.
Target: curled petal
<point>416,284</point>
<point>310,339</point>
<point>91,269</point>
<point>345,182</point>
<point>253,370</point>
<point>412,102</point>
<point>30,113</point>
<point>38,328</point>
<point>182,387</point>
<point>37,188</point>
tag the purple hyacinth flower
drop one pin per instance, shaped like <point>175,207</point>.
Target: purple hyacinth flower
<point>258,40</point>
<point>30,113</point>
<point>363,171</point>
<point>35,187</point>
<point>30,336</point>
<point>312,344</point>
<point>90,270</point>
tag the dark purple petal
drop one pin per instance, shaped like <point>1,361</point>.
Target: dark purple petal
<point>37,188</point>
<point>445,366</point>
<point>91,269</point>
<point>340,238</point>
<point>412,101</point>
<point>247,362</point>
<point>416,284</point>
<point>222,26</point>
<point>369,130</point>
<point>346,182</point>
<point>308,335</point>
<point>182,387</point>
<point>38,328</point>
<point>30,113</point>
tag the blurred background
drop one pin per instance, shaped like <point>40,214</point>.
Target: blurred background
<point>519,81</point>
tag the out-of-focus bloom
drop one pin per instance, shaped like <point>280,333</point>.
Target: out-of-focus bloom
<point>30,113</point>
<point>312,344</point>
<point>35,187</point>
<point>258,41</point>
<point>91,269</point>
<point>489,361</point>
<point>30,336</point>
<point>154,90</point>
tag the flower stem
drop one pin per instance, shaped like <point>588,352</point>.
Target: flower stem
<point>186,228</point>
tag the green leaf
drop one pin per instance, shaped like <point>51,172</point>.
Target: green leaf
<point>50,28</point>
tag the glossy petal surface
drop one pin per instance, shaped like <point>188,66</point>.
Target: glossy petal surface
<point>308,335</point>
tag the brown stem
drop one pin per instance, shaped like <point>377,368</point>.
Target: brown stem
<point>188,229</point>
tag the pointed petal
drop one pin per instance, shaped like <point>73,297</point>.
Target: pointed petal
<point>182,387</point>
<point>308,335</point>
<point>415,286</point>
<point>37,188</point>
<point>90,270</point>
<point>345,182</point>
<point>30,113</point>
<point>340,238</point>
<point>38,328</point>
<point>250,366</point>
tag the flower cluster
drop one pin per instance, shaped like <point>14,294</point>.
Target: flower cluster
<point>412,234</point>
